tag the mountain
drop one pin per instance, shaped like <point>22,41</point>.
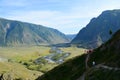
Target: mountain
<point>71,36</point>
<point>97,31</point>
<point>102,63</point>
<point>16,33</point>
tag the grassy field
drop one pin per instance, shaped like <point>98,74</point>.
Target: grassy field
<point>74,51</point>
<point>15,55</point>
<point>20,57</point>
<point>23,53</point>
<point>17,71</point>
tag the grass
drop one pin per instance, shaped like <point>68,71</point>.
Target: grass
<point>20,60</point>
<point>74,51</point>
<point>18,71</point>
<point>23,53</point>
<point>31,53</point>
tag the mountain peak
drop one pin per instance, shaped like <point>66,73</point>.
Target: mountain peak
<point>97,31</point>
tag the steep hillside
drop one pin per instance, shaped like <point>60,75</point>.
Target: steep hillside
<point>107,58</point>
<point>97,31</point>
<point>102,63</point>
<point>69,70</point>
<point>16,33</point>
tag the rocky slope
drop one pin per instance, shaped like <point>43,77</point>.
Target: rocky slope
<point>97,31</point>
<point>16,33</point>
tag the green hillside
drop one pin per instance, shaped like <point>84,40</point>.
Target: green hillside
<point>16,33</point>
<point>106,66</point>
<point>97,30</point>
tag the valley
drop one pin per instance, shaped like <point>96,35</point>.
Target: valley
<point>41,43</point>
<point>102,63</point>
<point>15,61</point>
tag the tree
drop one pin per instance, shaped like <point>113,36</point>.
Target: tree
<point>110,32</point>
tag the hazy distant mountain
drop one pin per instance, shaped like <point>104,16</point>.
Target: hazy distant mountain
<point>16,33</point>
<point>71,36</point>
<point>106,67</point>
<point>97,31</point>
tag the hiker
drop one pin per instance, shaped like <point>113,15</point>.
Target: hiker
<point>93,63</point>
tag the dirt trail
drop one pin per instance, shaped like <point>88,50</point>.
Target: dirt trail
<point>82,77</point>
<point>106,67</point>
<point>86,65</point>
<point>96,66</point>
<point>86,61</point>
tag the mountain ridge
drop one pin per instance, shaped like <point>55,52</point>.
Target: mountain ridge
<point>15,33</point>
<point>97,30</point>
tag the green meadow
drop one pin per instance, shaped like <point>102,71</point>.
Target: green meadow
<point>19,61</point>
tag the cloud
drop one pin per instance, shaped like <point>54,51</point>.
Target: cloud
<point>41,17</point>
<point>54,19</point>
<point>69,16</point>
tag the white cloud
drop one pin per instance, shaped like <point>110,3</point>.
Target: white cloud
<point>73,18</point>
<point>55,19</point>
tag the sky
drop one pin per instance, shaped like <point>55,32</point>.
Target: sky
<point>68,16</point>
